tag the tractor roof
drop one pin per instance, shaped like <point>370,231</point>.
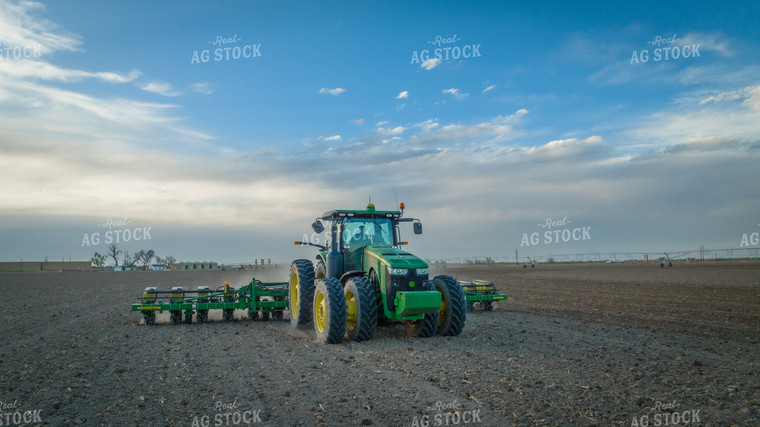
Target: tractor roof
<point>370,212</point>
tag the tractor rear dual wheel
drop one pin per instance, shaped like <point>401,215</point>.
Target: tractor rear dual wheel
<point>361,309</point>
<point>329,311</point>
<point>301,292</point>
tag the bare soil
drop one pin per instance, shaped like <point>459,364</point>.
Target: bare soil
<point>575,344</point>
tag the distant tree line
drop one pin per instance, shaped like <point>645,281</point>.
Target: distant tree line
<point>142,258</point>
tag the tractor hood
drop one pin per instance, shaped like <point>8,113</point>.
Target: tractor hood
<point>394,258</point>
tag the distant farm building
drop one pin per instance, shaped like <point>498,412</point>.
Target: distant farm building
<point>198,266</point>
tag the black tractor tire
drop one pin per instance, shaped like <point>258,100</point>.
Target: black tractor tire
<point>423,328</point>
<point>301,292</point>
<point>188,318</point>
<point>382,319</point>
<point>488,305</point>
<point>453,314</point>
<point>228,315</point>
<point>329,311</point>
<point>264,316</point>
<point>277,315</point>
<point>361,309</point>
<point>253,315</point>
<point>320,271</point>
<point>150,317</point>
<point>175,317</point>
<point>202,316</point>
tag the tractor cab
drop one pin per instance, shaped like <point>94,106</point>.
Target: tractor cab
<point>352,233</point>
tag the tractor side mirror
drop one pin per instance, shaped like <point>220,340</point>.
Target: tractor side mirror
<point>417,228</point>
<point>318,227</point>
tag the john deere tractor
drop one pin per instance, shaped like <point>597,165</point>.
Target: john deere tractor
<point>362,277</point>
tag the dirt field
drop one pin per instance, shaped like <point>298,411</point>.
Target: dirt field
<point>587,344</point>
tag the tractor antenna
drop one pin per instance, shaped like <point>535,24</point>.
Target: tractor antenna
<point>394,194</point>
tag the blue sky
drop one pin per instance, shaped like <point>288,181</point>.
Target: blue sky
<point>232,159</point>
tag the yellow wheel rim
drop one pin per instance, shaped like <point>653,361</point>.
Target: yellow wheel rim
<point>320,312</point>
<point>351,311</point>
<point>442,311</point>
<point>294,295</point>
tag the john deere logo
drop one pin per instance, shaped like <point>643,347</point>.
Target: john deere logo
<point>411,284</point>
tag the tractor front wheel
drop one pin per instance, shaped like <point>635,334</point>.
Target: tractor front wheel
<point>453,313</point>
<point>361,309</point>
<point>329,311</point>
<point>423,328</point>
<point>301,292</point>
<point>319,270</point>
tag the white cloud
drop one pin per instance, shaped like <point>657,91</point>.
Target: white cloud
<point>336,91</point>
<point>160,88</point>
<point>44,71</point>
<point>333,138</point>
<point>391,131</point>
<point>498,129</point>
<point>489,88</point>
<point>403,95</point>
<point>430,63</point>
<point>750,95</point>
<point>382,123</point>
<point>201,87</point>
<point>456,93</point>
<point>716,42</point>
<point>20,27</point>
<point>718,116</point>
<point>357,121</point>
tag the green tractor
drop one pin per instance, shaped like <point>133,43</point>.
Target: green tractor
<point>362,278</point>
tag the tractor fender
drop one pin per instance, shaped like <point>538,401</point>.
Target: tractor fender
<point>353,273</point>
